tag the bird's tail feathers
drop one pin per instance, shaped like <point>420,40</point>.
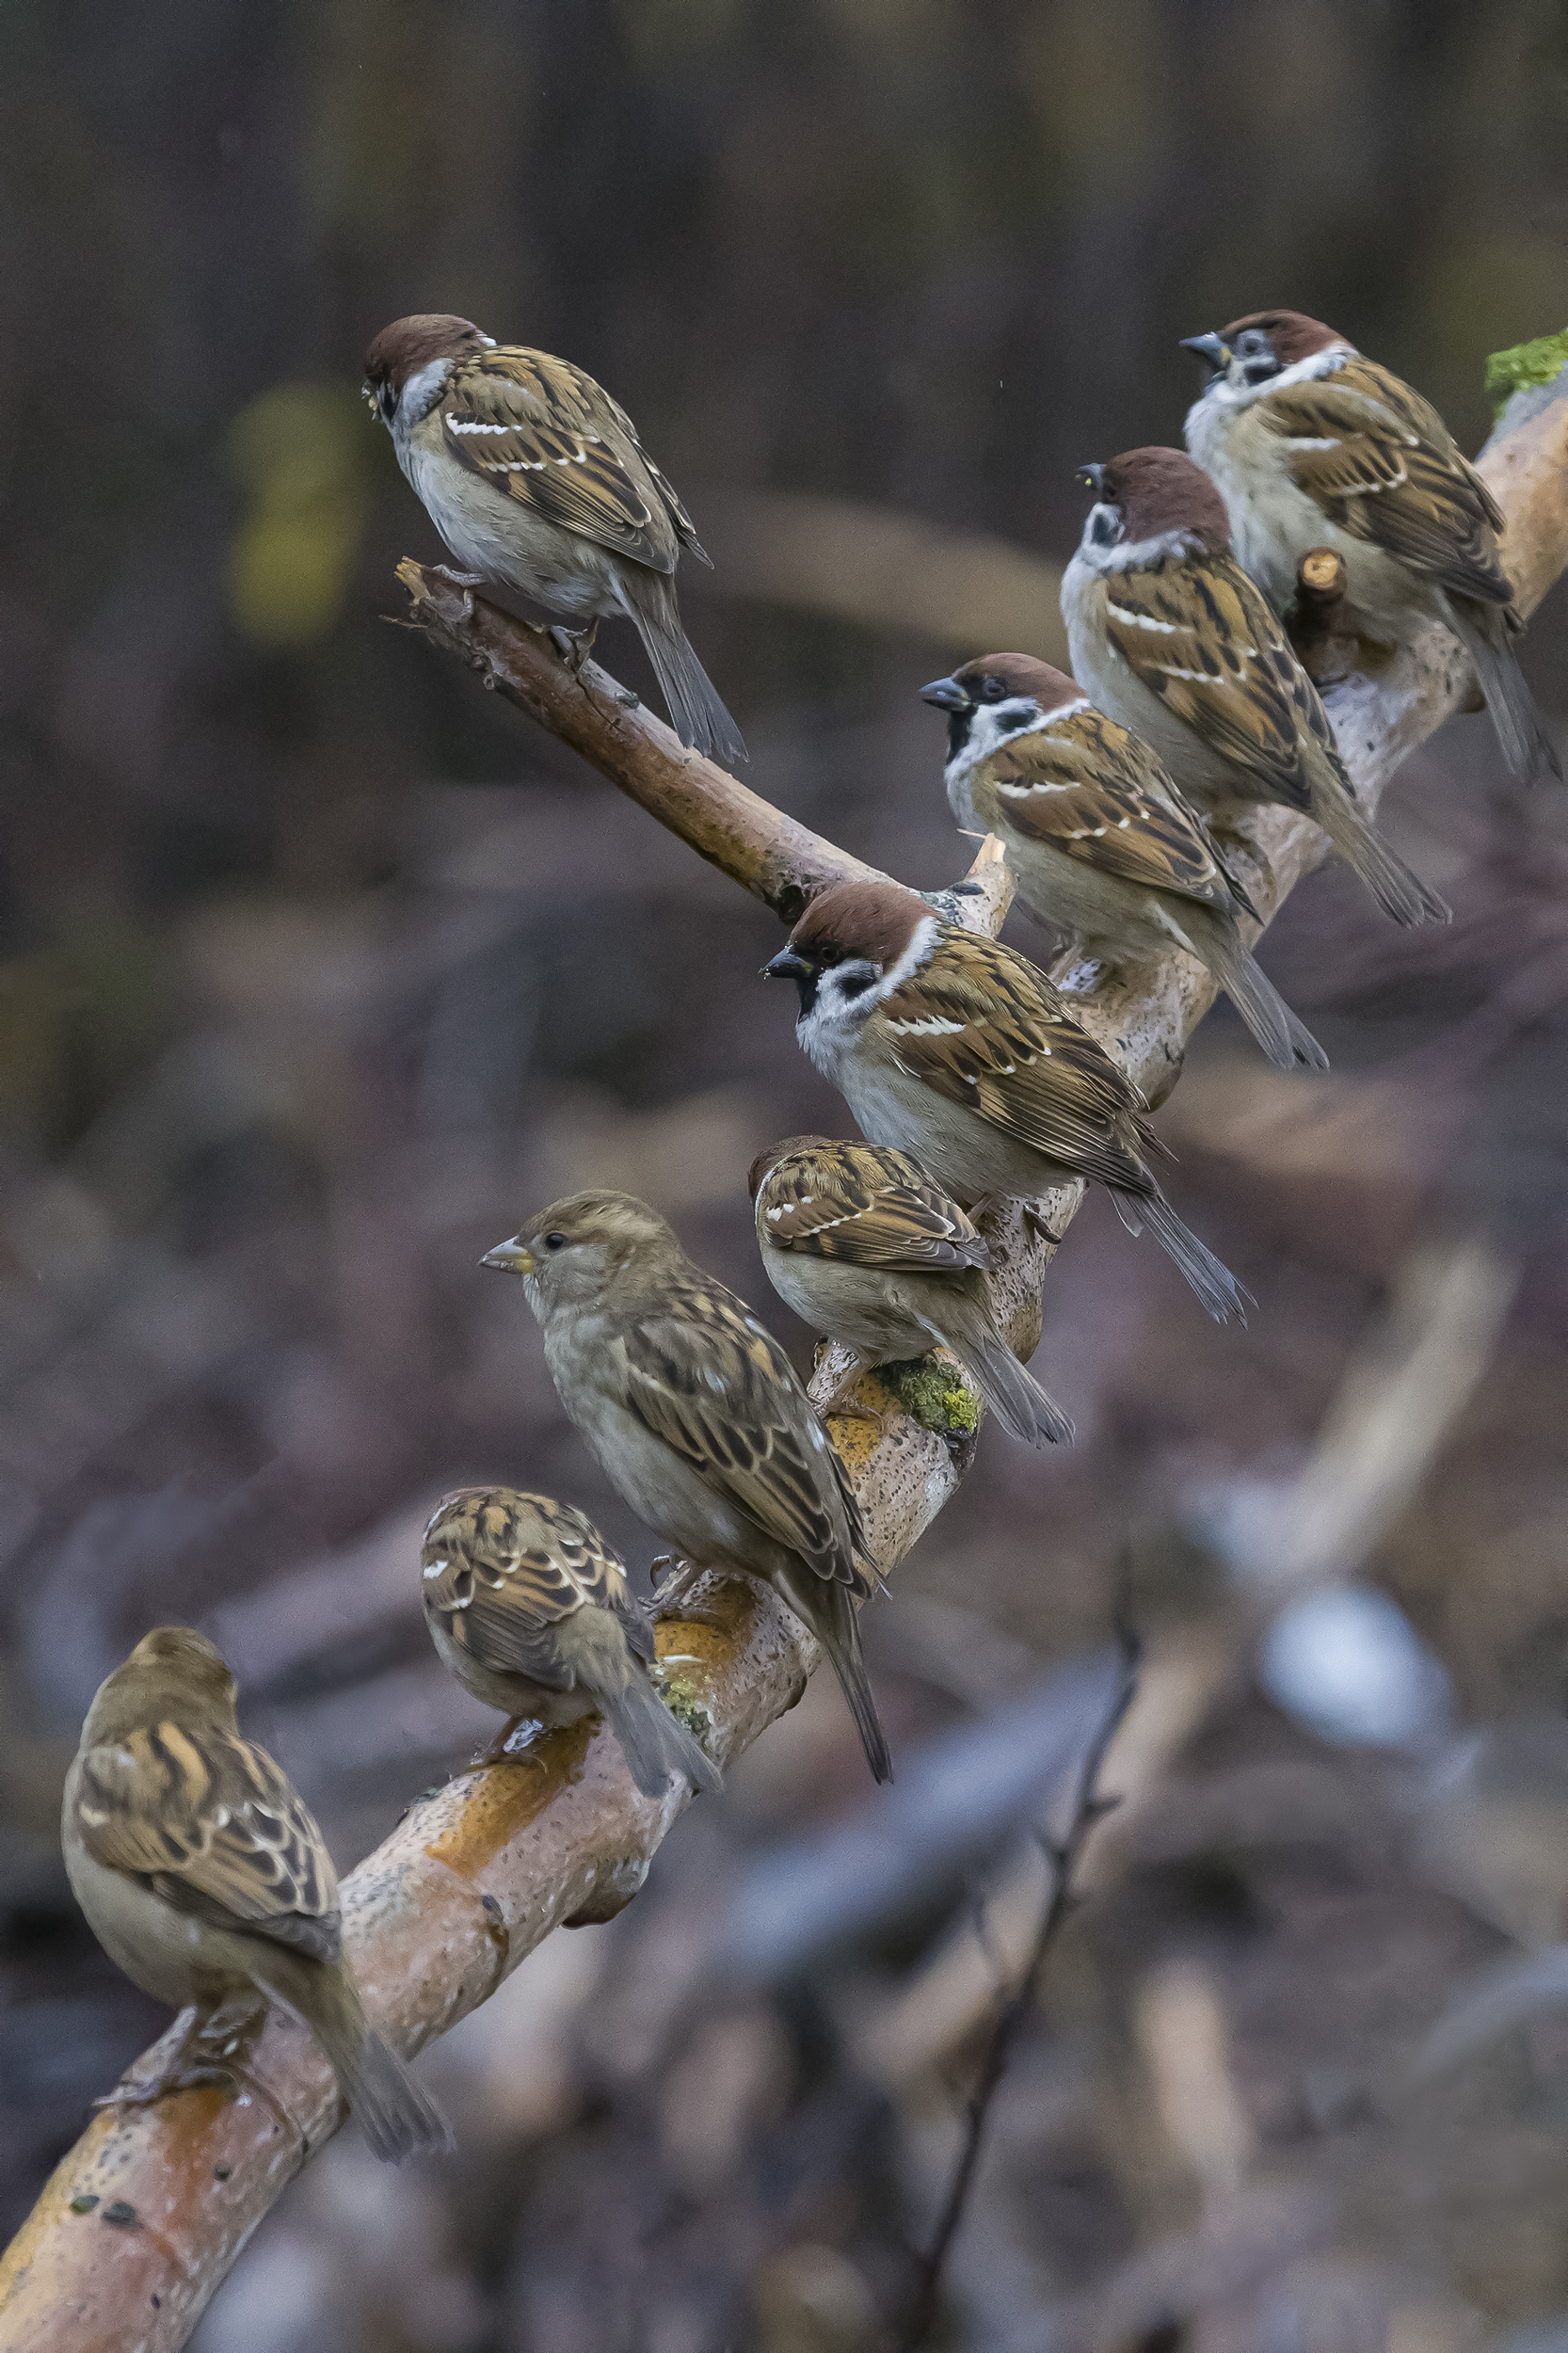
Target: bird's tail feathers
<point>837,1627</point>
<point>697,713</point>
<point>1402,894</point>
<point>1011,1391</point>
<point>1213,1281</point>
<point>1289,1043</point>
<point>656,1744</point>
<point>396,2115</point>
<point>1525,745</point>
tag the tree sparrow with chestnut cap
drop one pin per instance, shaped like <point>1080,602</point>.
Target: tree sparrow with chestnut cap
<point>1171,638</point>
<point>536,481</point>
<point>530,1611</point>
<point>1104,848</point>
<point>203,1877</point>
<point>698,1418</point>
<point>1312,445</point>
<point>866,1250</point>
<point>955,1049</point>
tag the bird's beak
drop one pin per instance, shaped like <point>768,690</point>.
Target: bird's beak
<point>946,695</point>
<point>1092,478</point>
<point>1212,350</point>
<point>787,966</point>
<point>512,1257</point>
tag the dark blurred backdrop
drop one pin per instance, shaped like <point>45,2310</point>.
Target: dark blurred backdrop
<point>321,968</point>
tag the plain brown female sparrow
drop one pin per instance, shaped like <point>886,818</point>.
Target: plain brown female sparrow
<point>536,481</point>
<point>203,1877</point>
<point>1104,847</point>
<point>698,1418</point>
<point>949,1046</point>
<point>866,1249</point>
<point>530,1609</point>
<point>1310,445</point>
<point>1171,638</point>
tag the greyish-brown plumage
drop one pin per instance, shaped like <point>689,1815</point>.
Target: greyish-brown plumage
<point>537,482</point>
<point>867,1249</point>
<point>529,1609</point>
<point>204,1878</point>
<point>1104,847</point>
<point>1312,445</point>
<point>951,1047</point>
<point>1171,638</point>
<point>698,1417</point>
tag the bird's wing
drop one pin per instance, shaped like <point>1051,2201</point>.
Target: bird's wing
<point>706,1377</point>
<point>1382,465</point>
<point>539,430</point>
<point>217,1828</point>
<point>1082,785</point>
<point>869,1208</point>
<point>501,1576</point>
<point>1203,637</point>
<point>983,1027</point>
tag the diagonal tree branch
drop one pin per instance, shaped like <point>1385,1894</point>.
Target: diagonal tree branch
<point>147,2213</point>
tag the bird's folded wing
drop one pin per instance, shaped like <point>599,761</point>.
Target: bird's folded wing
<point>710,1380</point>
<point>502,1577</point>
<point>217,1829</point>
<point>543,433</point>
<point>1382,465</point>
<point>983,1028</point>
<point>1084,786</point>
<point>1203,638</point>
<point>869,1209</point>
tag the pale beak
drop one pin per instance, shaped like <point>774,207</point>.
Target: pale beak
<point>512,1257</point>
<point>787,966</point>
<point>946,695</point>
<point>1212,349</point>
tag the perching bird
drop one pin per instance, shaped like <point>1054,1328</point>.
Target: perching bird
<point>1103,846</point>
<point>698,1417</point>
<point>204,1878</point>
<point>861,1244</point>
<point>536,481</point>
<point>529,1609</point>
<point>1171,637</point>
<point>1311,445</point>
<point>949,1046</point>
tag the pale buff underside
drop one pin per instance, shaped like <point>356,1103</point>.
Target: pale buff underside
<point>504,540</point>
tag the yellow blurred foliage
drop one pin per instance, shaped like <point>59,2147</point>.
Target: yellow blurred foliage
<point>300,451</point>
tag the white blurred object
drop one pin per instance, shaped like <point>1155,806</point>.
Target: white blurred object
<point>1347,1662</point>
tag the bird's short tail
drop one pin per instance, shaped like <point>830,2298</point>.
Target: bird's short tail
<point>656,1744</point>
<point>1214,1282</point>
<point>837,1627</point>
<point>1289,1043</point>
<point>1013,1394</point>
<point>697,714</point>
<point>1398,892</point>
<point>1526,748</point>
<point>396,2115</point>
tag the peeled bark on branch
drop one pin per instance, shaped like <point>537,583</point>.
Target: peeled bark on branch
<point>145,2217</point>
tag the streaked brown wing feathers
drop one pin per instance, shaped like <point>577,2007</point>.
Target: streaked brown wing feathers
<point>1086,786</point>
<point>870,1207</point>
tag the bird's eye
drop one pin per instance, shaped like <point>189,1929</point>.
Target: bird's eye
<point>555,1242</point>
<point>1252,343</point>
<point>993,691</point>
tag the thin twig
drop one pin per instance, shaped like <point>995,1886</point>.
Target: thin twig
<point>1089,1807</point>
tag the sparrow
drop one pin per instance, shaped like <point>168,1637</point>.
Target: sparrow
<point>958,1051</point>
<point>537,482</point>
<point>698,1418</point>
<point>204,1878</point>
<point>1312,445</point>
<point>865,1248</point>
<point>1103,846</point>
<point>529,1609</point>
<point>1171,637</point>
